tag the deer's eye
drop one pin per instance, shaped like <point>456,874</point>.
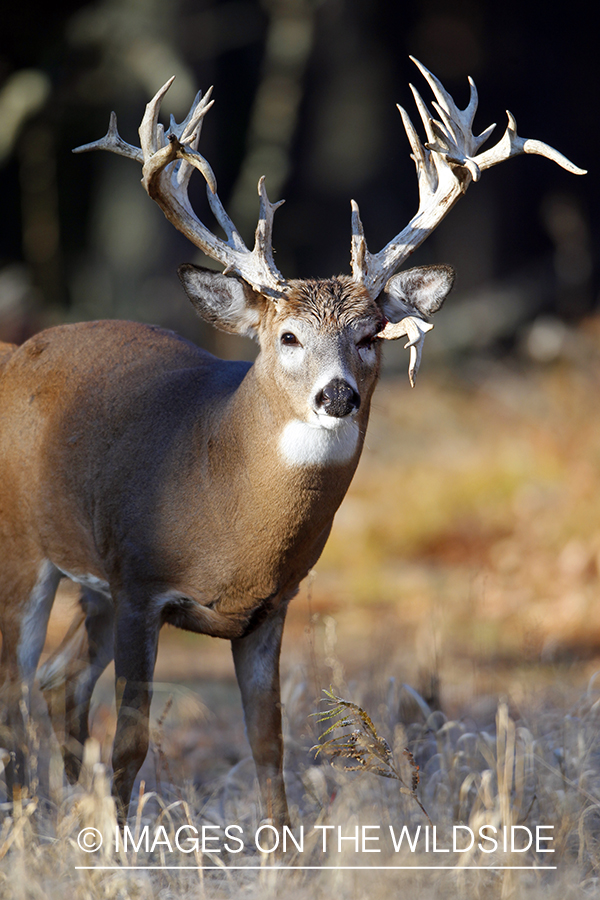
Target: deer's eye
<point>367,341</point>
<point>289,340</point>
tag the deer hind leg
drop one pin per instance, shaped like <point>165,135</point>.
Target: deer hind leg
<point>27,596</point>
<point>256,659</point>
<point>69,675</point>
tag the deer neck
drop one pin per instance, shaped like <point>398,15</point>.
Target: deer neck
<point>284,463</point>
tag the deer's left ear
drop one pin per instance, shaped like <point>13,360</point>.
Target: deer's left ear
<point>422,290</point>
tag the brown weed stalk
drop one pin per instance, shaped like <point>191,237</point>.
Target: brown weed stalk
<point>368,749</point>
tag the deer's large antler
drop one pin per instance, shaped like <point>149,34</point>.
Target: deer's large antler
<point>168,160</point>
<point>446,165</point>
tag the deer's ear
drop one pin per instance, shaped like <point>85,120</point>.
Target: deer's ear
<point>225,301</point>
<point>422,289</point>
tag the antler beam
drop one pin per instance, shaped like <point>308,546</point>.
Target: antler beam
<point>168,160</point>
<point>446,165</point>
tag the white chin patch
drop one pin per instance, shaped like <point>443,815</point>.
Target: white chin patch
<point>302,444</point>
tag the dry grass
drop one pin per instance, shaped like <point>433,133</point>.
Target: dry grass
<point>538,771</point>
<point>463,568</point>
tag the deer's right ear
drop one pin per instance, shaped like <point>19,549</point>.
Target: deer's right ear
<point>225,301</point>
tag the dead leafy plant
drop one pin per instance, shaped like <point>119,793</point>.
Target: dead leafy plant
<point>369,750</point>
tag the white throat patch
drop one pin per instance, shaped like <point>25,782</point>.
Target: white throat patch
<point>302,444</point>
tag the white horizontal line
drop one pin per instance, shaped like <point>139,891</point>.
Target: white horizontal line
<point>335,868</point>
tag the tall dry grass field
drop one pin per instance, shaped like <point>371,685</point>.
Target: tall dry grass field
<point>457,604</point>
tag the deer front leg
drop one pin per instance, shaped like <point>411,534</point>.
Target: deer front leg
<point>256,659</point>
<point>136,639</point>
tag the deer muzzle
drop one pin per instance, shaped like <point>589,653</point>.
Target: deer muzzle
<point>338,399</point>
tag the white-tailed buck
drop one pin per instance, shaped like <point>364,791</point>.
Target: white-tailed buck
<point>176,487</point>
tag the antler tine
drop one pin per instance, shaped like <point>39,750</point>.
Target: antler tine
<point>415,330</point>
<point>472,105</point>
<point>149,127</point>
<point>180,129</point>
<point>191,129</point>
<point>446,164</point>
<point>438,89</point>
<point>191,125</point>
<point>358,245</point>
<point>419,154</point>
<point>234,238</point>
<point>423,113</point>
<point>264,228</point>
<point>510,144</point>
<point>113,142</point>
<point>197,161</point>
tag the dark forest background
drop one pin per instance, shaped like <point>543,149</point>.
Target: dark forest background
<point>305,94</point>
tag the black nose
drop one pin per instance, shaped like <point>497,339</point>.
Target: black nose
<point>338,398</point>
